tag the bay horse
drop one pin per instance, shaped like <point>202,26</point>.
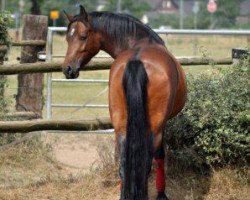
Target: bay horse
<point>146,88</point>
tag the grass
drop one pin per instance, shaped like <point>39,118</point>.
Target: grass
<point>24,164</point>
<point>90,187</point>
<point>27,171</point>
<point>80,93</point>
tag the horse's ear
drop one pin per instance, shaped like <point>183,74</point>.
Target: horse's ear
<point>69,17</point>
<point>83,13</point>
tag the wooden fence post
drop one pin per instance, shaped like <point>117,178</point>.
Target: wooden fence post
<point>30,86</point>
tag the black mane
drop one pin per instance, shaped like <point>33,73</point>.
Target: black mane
<point>121,27</point>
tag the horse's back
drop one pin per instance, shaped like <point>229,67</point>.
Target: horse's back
<point>166,86</point>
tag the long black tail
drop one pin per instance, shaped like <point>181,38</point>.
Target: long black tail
<point>135,81</point>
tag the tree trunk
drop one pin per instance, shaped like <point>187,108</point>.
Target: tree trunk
<point>35,8</point>
<point>30,86</point>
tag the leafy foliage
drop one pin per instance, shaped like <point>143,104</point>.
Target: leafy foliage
<point>213,129</point>
<point>4,103</point>
<point>224,17</point>
<point>164,20</point>
<point>46,6</point>
<point>3,100</point>
<point>71,6</point>
<point>227,12</point>
<point>136,8</point>
<point>5,21</point>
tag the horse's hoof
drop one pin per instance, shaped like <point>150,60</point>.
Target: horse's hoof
<point>162,196</point>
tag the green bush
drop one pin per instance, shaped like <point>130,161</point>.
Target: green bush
<point>213,128</point>
<point>171,20</point>
<point>5,21</point>
<point>3,100</point>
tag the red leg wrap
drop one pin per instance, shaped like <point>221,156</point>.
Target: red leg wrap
<point>160,175</point>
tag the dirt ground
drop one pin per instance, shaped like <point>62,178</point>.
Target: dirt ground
<point>78,151</point>
<point>81,167</point>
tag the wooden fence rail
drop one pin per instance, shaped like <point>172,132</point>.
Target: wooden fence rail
<point>28,43</point>
<point>24,43</point>
<point>20,116</point>
<point>41,125</point>
<point>3,49</point>
<point>96,64</point>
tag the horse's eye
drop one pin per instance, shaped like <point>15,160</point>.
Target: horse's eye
<point>83,37</point>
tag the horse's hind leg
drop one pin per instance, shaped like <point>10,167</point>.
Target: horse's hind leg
<point>159,158</point>
<point>121,151</point>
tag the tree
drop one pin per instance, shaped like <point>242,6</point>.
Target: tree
<point>13,6</point>
<point>136,8</point>
<point>224,17</point>
<point>71,6</point>
<point>35,7</point>
<point>170,20</point>
<point>227,12</point>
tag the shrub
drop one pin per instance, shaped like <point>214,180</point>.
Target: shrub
<point>213,128</point>
<point>5,21</point>
<point>164,20</point>
<point>3,100</point>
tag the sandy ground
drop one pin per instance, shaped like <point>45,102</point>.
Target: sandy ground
<point>78,151</point>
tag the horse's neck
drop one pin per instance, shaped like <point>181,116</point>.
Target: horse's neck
<point>113,49</point>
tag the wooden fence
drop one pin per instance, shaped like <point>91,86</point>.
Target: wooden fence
<point>29,94</point>
<point>92,124</point>
<point>27,71</point>
<point>41,125</point>
<point>19,116</point>
<point>97,64</point>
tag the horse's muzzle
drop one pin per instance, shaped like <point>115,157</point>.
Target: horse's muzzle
<point>70,72</point>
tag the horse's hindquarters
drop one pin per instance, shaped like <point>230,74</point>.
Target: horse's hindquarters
<point>181,93</point>
<point>166,88</point>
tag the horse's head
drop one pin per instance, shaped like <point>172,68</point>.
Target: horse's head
<point>83,44</point>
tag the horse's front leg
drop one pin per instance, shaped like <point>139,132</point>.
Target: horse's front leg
<point>159,160</point>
